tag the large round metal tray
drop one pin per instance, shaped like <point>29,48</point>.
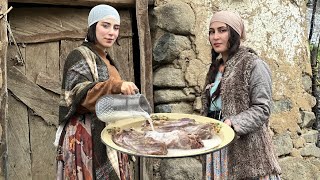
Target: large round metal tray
<point>224,138</point>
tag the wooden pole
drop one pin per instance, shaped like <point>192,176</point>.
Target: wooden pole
<point>115,3</point>
<point>146,75</point>
<point>3,88</point>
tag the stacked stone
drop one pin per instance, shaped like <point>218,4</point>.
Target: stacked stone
<point>176,77</point>
<point>181,54</point>
<point>299,155</point>
<point>177,72</point>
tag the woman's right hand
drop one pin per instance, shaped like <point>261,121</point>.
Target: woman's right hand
<point>129,88</point>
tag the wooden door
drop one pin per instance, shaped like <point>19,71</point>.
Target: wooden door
<point>45,36</point>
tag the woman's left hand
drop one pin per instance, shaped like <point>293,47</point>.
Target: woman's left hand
<point>228,122</point>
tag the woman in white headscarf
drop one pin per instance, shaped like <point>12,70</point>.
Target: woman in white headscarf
<point>239,92</point>
<point>89,73</point>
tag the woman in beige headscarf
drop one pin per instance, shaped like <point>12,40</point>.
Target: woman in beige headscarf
<point>241,97</point>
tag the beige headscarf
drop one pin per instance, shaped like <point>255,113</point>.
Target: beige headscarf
<point>231,19</point>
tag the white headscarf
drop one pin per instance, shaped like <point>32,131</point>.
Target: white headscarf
<point>101,12</point>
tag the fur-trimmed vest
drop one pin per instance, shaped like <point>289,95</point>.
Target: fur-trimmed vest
<point>250,155</point>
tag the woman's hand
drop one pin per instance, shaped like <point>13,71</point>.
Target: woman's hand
<point>221,68</point>
<point>228,122</point>
<point>129,88</point>
<point>209,86</point>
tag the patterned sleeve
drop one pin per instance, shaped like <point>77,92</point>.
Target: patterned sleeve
<point>110,86</point>
<point>77,80</point>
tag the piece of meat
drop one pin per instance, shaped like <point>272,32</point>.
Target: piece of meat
<point>204,131</point>
<point>177,139</point>
<point>137,142</point>
<point>166,126</point>
<point>184,133</point>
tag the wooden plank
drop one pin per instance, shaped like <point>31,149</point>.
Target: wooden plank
<point>52,58</point>
<point>115,3</point>
<point>3,90</point>
<point>19,159</point>
<point>145,50</point>
<point>33,96</point>
<point>43,152</point>
<point>49,83</point>
<point>43,57</point>
<point>36,55</point>
<point>66,46</point>
<point>43,24</point>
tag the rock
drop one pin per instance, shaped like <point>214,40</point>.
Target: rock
<point>299,143</point>
<point>176,17</point>
<point>181,169</point>
<point>307,83</point>
<point>197,105</point>
<point>308,118</point>
<point>295,153</point>
<point>283,144</point>
<point>306,101</point>
<point>196,73</point>
<point>163,108</point>
<point>188,55</point>
<point>299,120</point>
<point>310,150</point>
<point>182,107</point>
<point>168,47</point>
<point>167,96</point>
<point>188,91</point>
<point>316,162</point>
<point>294,168</point>
<point>311,136</point>
<point>281,105</point>
<point>168,77</point>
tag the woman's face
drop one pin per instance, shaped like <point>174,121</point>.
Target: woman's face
<point>218,37</point>
<point>107,31</point>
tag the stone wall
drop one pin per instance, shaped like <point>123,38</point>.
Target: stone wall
<point>277,30</point>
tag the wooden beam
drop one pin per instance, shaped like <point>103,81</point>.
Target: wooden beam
<point>56,24</point>
<point>45,24</point>
<point>19,160</point>
<point>90,3</point>
<point>33,96</point>
<point>3,90</point>
<point>37,38</point>
<point>48,83</point>
<point>145,47</point>
<point>146,77</point>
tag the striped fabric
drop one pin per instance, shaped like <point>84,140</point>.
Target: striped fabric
<point>217,165</point>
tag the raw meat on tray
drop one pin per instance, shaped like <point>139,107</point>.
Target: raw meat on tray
<point>184,133</point>
<point>136,141</point>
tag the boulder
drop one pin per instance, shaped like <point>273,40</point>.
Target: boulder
<point>176,17</point>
